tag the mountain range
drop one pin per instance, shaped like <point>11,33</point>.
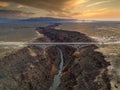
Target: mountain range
<point>39,19</point>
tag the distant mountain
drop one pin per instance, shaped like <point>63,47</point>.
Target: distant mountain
<point>40,19</point>
<point>6,20</point>
<point>48,19</point>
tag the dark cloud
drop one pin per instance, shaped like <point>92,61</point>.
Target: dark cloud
<point>49,5</point>
<point>60,8</point>
<point>14,14</point>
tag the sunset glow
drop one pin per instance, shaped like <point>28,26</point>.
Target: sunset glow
<point>77,9</point>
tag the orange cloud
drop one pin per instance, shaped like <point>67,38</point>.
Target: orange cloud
<point>20,6</point>
<point>102,13</point>
<point>97,14</point>
<point>98,3</point>
<point>3,4</point>
<point>107,14</point>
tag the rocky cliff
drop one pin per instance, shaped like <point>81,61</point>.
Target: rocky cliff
<point>86,70</point>
<point>29,69</point>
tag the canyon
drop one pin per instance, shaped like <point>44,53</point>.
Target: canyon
<point>34,68</point>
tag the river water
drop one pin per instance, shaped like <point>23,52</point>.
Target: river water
<point>57,77</point>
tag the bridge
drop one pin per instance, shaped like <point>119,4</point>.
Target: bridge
<point>48,44</point>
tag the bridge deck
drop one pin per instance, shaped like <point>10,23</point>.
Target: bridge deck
<point>56,43</point>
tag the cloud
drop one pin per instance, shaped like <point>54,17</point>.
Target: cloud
<point>3,4</point>
<point>92,13</point>
<point>14,13</point>
<point>101,13</point>
<point>20,6</point>
<point>108,14</point>
<point>57,8</point>
<point>68,8</point>
<point>50,5</point>
<point>98,3</point>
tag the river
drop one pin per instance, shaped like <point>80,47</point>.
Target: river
<point>57,77</point>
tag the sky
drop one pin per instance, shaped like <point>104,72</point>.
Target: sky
<point>75,9</point>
